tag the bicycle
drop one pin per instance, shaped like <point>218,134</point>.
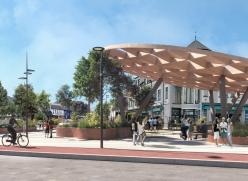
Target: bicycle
<point>22,140</point>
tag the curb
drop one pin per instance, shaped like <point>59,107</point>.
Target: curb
<point>134,159</point>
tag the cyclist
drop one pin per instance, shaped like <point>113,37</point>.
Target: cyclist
<point>11,129</point>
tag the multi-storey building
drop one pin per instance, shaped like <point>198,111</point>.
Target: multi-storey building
<point>172,103</point>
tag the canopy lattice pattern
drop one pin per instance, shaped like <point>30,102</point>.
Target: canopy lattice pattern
<point>181,66</point>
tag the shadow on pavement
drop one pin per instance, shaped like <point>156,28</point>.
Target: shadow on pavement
<point>174,141</point>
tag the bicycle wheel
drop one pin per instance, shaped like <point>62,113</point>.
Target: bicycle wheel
<point>6,140</point>
<point>22,140</point>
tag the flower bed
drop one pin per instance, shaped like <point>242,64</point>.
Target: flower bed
<point>93,133</point>
<point>236,140</point>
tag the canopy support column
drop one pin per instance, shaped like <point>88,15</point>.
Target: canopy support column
<point>223,98</point>
<point>240,106</point>
<point>211,101</point>
<point>147,99</point>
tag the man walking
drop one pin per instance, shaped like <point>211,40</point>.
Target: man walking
<point>134,130</point>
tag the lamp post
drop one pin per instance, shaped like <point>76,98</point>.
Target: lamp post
<point>100,50</point>
<point>27,73</point>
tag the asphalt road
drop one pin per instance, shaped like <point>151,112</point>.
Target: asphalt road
<point>47,169</point>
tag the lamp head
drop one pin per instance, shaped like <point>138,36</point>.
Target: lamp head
<point>98,49</point>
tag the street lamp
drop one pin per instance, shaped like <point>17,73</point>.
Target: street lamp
<point>27,73</point>
<point>100,50</point>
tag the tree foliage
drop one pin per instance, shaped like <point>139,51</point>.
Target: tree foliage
<point>3,99</point>
<point>43,101</point>
<point>141,94</point>
<point>105,109</point>
<point>86,80</point>
<point>64,96</point>
<point>25,105</point>
<point>43,105</point>
<point>86,77</point>
<point>79,107</point>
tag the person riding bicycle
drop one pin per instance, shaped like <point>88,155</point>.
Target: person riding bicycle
<point>11,129</point>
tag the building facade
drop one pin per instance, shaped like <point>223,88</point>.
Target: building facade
<point>173,103</point>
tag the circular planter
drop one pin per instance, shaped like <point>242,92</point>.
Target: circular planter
<point>235,140</point>
<point>93,133</point>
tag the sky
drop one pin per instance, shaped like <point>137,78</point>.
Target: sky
<point>57,33</point>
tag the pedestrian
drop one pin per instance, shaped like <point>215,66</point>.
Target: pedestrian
<point>141,132</point>
<point>184,128</point>
<point>46,127</point>
<point>155,123</point>
<point>223,130</point>
<point>229,131</point>
<point>150,121</point>
<point>134,130</point>
<point>216,131</point>
<point>190,130</point>
<point>51,128</point>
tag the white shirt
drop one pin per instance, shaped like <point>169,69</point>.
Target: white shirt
<point>223,125</point>
<point>140,128</point>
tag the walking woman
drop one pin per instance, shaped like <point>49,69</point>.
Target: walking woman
<point>223,130</point>
<point>216,131</point>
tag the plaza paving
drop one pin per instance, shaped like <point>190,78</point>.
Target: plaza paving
<point>160,141</point>
<point>164,147</point>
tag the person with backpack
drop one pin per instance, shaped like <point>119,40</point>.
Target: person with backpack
<point>134,130</point>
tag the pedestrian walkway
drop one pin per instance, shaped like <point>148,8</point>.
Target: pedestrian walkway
<point>159,148</point>
<point>162,141</point>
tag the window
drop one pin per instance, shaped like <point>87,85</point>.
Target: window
<point>189,95</point>
<point>166,93</point>
<point>197,96</point>
<point>159,95</point>
<point>178,93</point>
<point>246,116</point>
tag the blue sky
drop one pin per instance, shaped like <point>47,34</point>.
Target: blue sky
<point>56,33</point>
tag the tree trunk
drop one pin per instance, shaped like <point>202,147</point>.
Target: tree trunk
<point>240,106</point>
<point>121,102</point>
<point>88,106</point>
<point>147,99</point>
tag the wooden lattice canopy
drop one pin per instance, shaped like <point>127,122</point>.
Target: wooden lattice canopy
<point>182,66</point>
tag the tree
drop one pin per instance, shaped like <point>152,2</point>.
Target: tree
<point>43,102</point>
<point>3,99</point>
<point>79,107</point>
<point>11,107</point>
<point>25,105</point>
<point>106,110</point>
<point>86,78</point>
<point>43,105</point>
<point>142,94</point>
<point>64,96</point>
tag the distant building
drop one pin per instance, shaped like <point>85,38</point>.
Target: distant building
<point>61,111</point>
<point>57,110</point>
<point>173,102</point>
